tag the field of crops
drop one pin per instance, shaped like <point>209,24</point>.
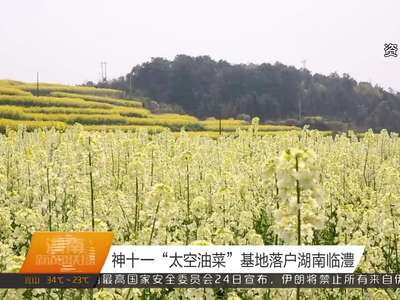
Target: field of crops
<point>173,188</point>
<point>97,109</point>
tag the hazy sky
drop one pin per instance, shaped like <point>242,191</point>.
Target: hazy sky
<point>65,40</point>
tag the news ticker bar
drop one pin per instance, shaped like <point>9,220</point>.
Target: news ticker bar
<point>201,280</point>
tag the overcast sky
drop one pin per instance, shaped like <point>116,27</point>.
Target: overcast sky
<point>65,40</point>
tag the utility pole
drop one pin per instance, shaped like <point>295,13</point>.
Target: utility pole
<point>105,71</point>
<point>103,66</point>
<point>37,84</point>
<point>220,119</point>
<point>130,84</point>
<point>303,62</point>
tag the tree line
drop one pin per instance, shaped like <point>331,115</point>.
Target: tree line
<point>204,87</point>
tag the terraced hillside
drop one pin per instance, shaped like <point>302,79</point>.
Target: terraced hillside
<point>61,106</point>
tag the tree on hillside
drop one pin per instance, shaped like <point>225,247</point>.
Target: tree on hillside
<point>205,87</point>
